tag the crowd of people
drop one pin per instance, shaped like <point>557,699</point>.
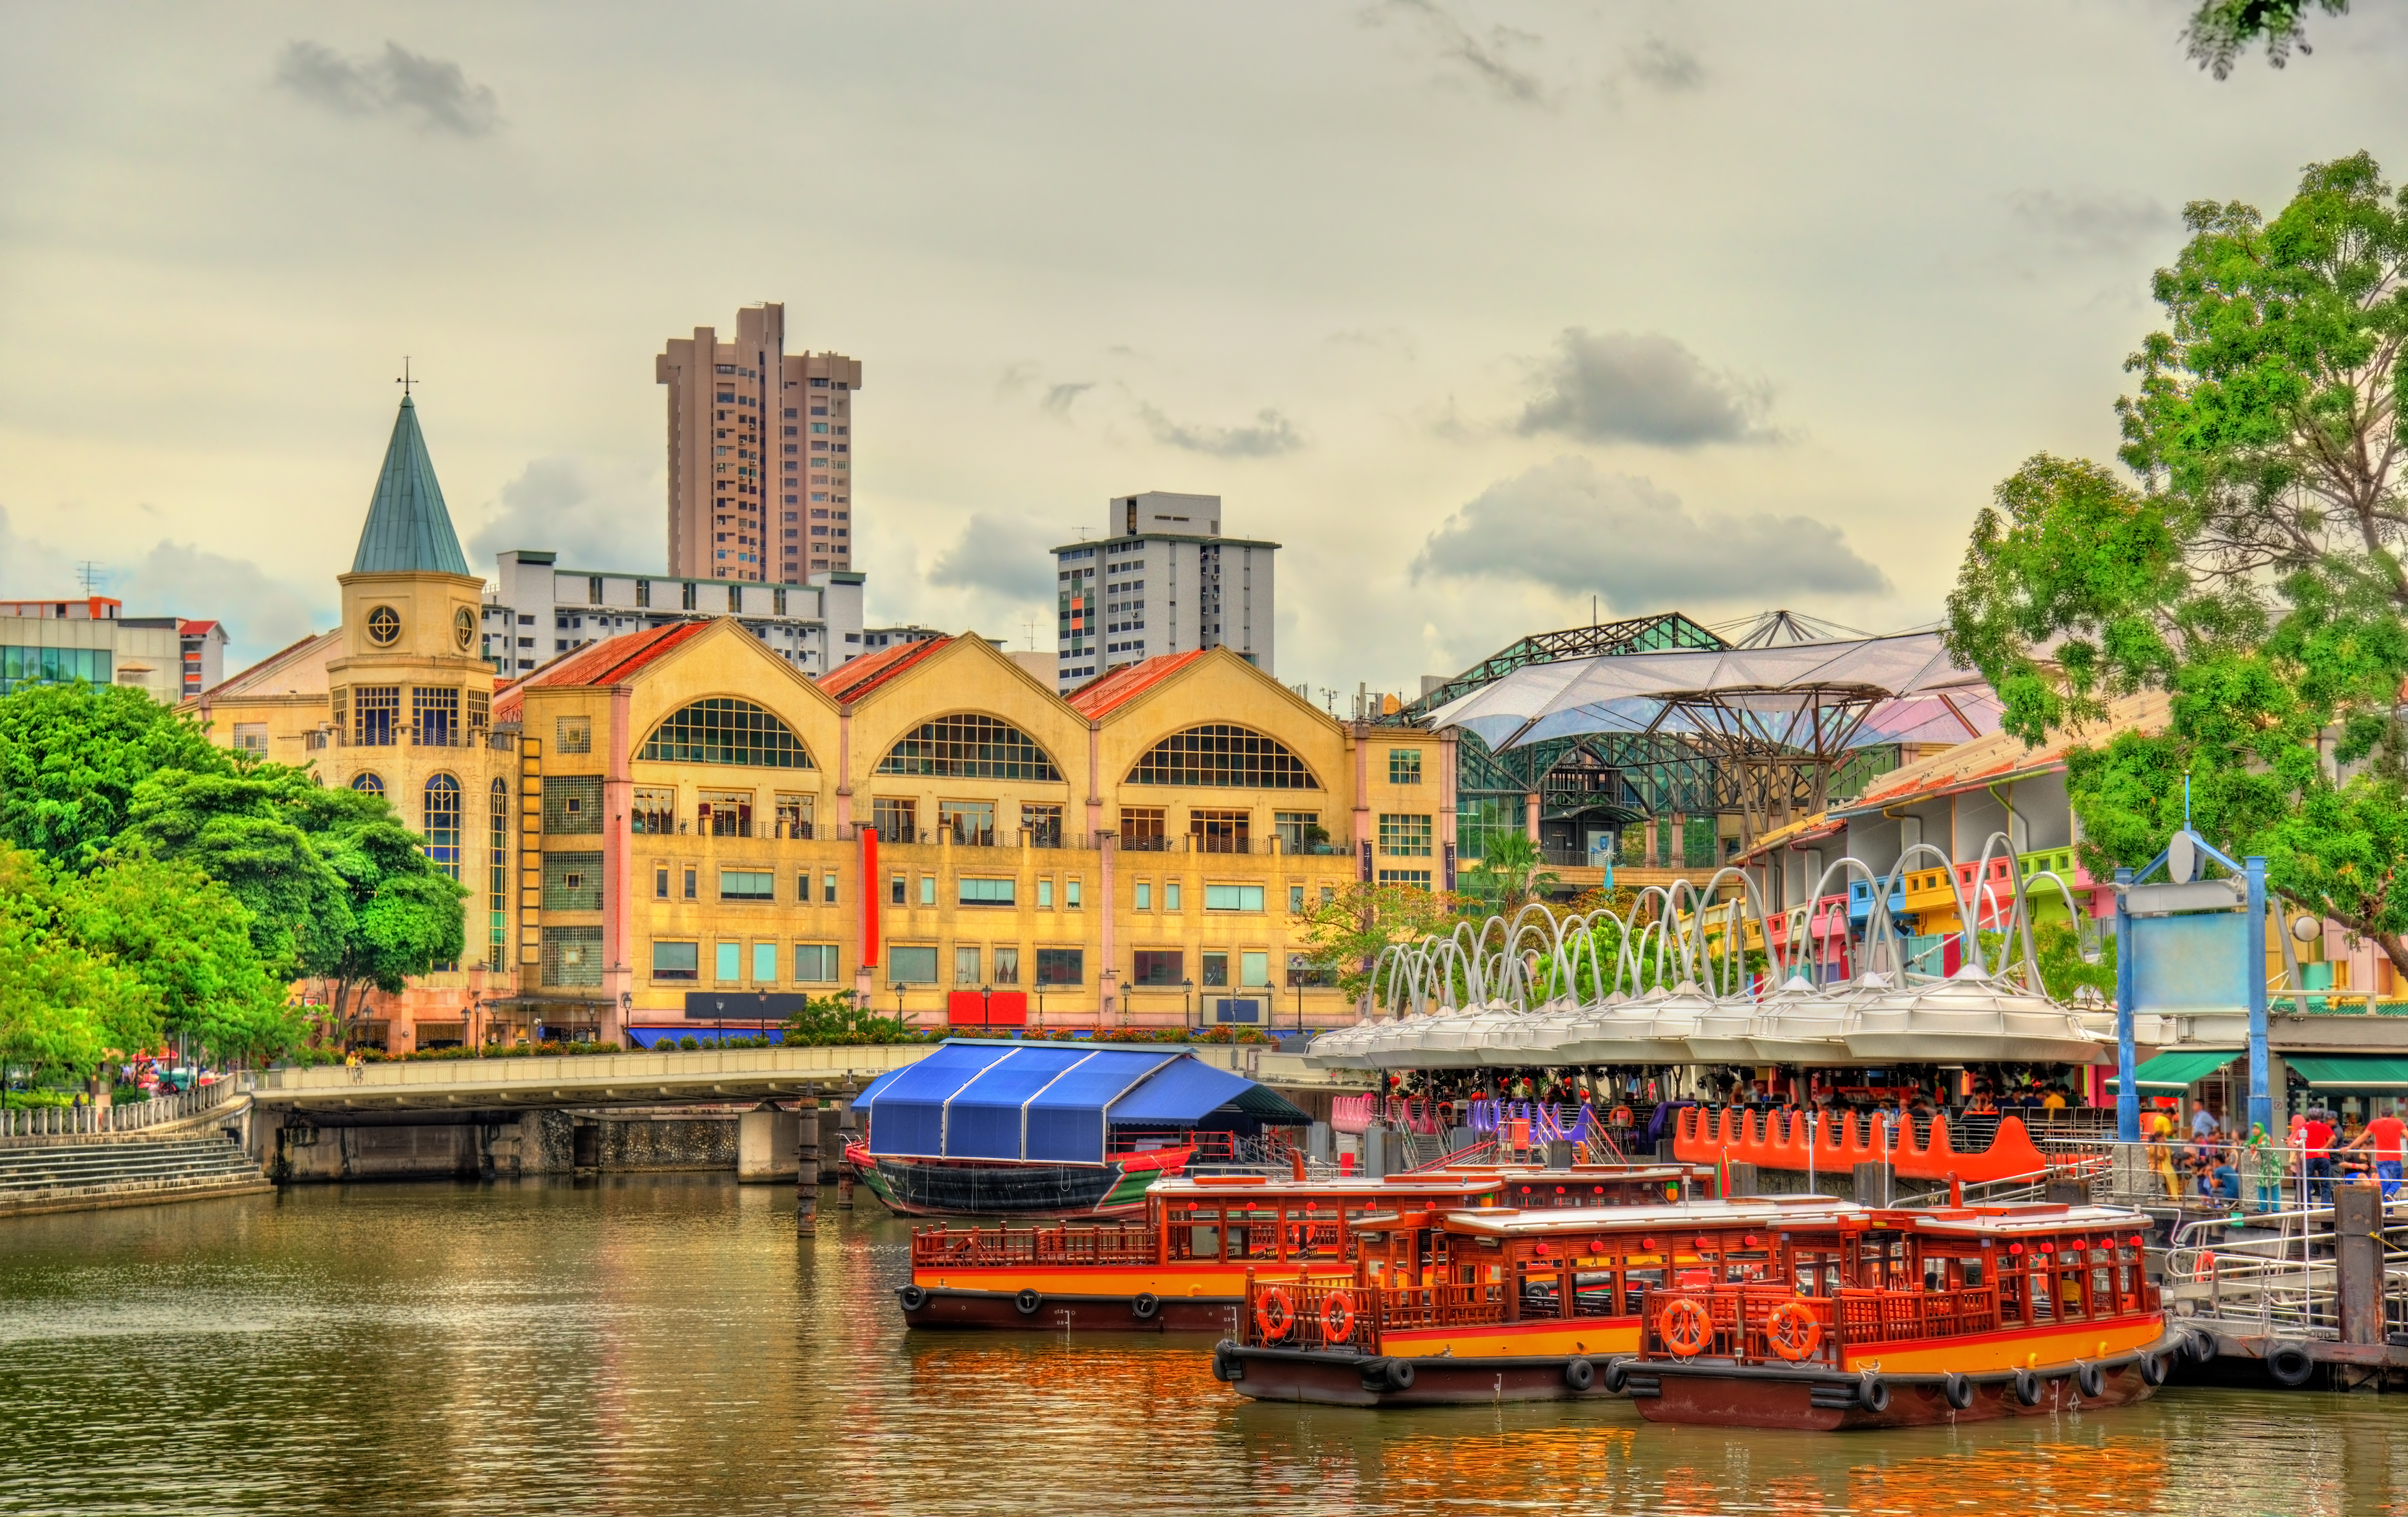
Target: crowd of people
<point>2255,1171</point>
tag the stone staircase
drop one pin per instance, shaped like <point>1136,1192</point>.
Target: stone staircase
<point>103,1171</point>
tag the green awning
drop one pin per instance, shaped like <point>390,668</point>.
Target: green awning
<point>2179,1070</point>
<point>2350,1071</point>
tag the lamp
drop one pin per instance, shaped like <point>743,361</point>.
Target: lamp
<point>1186,1003</point>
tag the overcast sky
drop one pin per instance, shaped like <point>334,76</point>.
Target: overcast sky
<point>1482,311</point>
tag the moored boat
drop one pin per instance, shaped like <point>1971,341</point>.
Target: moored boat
<point>1898,1318</point>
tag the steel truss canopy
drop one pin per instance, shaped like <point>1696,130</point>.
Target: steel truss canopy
<point>1764,709</point>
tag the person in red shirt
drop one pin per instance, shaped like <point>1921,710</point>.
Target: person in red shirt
<point>2317,1139</point>
<point>2387,1136</point>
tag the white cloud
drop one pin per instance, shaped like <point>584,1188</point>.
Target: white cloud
<point>1570,527</point>
<point>261,613</point>
<point>1641,387</point>
<point>1008,556</point>
<point>397,82</point>
<point>1271,435</point>
<point>2093,222</point>
<point>595,514</point>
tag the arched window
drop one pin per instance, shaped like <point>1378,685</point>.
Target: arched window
<point>721,731</point>
<point>498,884</point>
<point>971,747</point>
<point>443,823</point>
<point>365,781</point>
<point>1217,754</point>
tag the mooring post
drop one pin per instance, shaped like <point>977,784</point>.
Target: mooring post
<point>847,1130</point>
<point>806,1165</point>
<point>1876,1184</point>
<point>2357,1228</point>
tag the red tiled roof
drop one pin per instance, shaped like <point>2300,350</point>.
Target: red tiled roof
<point>614,660</point>
<point>1116,689</point>
<point>848,682</point>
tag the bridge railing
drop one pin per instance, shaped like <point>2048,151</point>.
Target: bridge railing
<point>131,1117</point>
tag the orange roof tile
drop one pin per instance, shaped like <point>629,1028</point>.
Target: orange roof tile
<point>614,660</point>
<point>1098,697</point>
<point>850,682</point>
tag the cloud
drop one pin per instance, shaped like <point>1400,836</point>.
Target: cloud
<point>1641,387</point>
<point>1565,526</point>
<point>260,614</point>
<point>1484,58</point>
<point>34,569</point>
<point>1011,557</point>
<point>2092,223</point>
<point>1059,397</point>
<point>397,82</point>
<point>1668,67</point>
<point>1271,435</point>
<point>595,516</point>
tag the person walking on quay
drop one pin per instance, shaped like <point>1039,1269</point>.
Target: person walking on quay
<point>2161,1155</point>
<point>2385,1135</point>
<point>2265,1159</point>
<point>2315,1143</point>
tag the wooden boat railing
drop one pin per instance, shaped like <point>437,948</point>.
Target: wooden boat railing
<point>1741,1318</point>
<point>977,1247</point>
<point>1371,1309</point>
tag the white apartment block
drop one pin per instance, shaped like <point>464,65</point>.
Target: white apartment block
<point>537,611</point>
<point>1161,580</point>
<point>88,638</point>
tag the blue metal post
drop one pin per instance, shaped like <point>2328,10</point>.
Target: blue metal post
<point>2261,1104</point>
<point>2127,1090</point>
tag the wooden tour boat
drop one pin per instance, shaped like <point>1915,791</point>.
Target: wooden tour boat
<point>1184,1267</point>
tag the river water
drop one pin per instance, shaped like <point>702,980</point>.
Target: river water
<point>665,1344</point>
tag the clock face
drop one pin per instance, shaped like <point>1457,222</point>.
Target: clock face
<point>384,626</point>
<point>464,626</point>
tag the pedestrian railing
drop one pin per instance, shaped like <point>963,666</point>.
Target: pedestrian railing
<point>133,1117</point>
<point>2278,1272</point>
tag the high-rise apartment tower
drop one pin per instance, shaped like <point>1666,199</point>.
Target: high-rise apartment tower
<point>760,454</point>
<point>1161,579</point>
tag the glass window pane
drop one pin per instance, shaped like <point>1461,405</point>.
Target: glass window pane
<point>764,963</point>
<point>730,967</point>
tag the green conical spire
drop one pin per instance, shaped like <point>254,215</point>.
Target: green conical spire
<point>408,529</point>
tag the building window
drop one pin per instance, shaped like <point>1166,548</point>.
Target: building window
<point>1007,965</point>
<point>724,731</point>
<point>748,885</point>
<point>928,889</point>
<point>376,709</point>
<point>1142,830</point>
<point>1253,969</point>
<point>594,591</point>
<point>23,665</point>
<point>970,747</point>
<point>764,963</point>
<point>677,961</point>
<point>1296,899</point>
<point>1045,895</point>
<point>1041,826</point>
<point>436,712</point>
<point>572,803</point>
<point>686,601</point>
<point>1219,832</point>
<point>573,882</point>
<point>1158,966</point>
<point>795,817</point>
<point>1061,966</point>
<point>1418,879</point>
<point>655,810</point>
<point>898,892</point>
<point>1404,835</point>
<point>735,600</point>
<point>988,892</point>
<point>575,735</point>
<point>827,888</point>
<point>911,965</point>
<point>497,881</point>
<point>724,814</point>
<point>644,594</point>
<point>1299,831</point>
<point>1223,756</point>
<point>1145,895</point>
<point>727,966</point>
<point>969,823</point>
<point>1404,766</point>
<point>250,737</point>
<point>894,819</point>
<point>443,823</point>
<point>1170,895</point>
<point>814,962</point>
<point>1233,898</point>
<point>966,965</point>
<point>1217,969</point>
<point>1070,894</point>
<point>572,956</point>
<point>661,883</point>
<point>690,874</point>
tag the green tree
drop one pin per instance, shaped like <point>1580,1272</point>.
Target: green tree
<point>832,1020</point>
<point>2250,569</point>
<point>62,1006</point>
<point>1511,874</point>
<point>71,756</point>
<point>1344,935</point>
<point>2220,31</point>
<point>188,942</point>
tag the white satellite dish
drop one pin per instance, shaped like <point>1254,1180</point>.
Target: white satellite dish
<point>2181,859</point>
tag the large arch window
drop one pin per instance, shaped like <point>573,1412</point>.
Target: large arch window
<point>724,731</point>
<point>497,883</point>
<point>1220,755</point>
<point>965,747</point>
<point>443,823</point>
<point>367,782</point>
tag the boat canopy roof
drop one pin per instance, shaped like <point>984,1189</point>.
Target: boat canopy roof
<point>1760,1211</point>
<point>2011,1221</point>
<point>1049,1102</point>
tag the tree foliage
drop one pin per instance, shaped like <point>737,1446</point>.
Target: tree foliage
<point>833,1020</point>
<point>2220,31</point>
<point>2249,567</point>
<point>71,756</point>
<point>1511,875</point>
<point>1345,934</point>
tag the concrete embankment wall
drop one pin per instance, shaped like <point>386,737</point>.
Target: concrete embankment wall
<point>480,1144</point>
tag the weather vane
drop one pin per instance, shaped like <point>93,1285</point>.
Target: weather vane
<point>405,382</point>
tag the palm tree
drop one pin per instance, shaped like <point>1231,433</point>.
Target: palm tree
<point>1510,874</point>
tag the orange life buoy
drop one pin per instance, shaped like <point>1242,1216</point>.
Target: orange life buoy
<point>1685,1326</point>
<point>1338,1317</point>
<point>2203,1267</point>
<point>1274,1314</point>
<point>1794,1331</point>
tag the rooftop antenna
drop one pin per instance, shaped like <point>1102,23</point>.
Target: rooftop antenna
<point>407,382</point>
<point>91,576</point>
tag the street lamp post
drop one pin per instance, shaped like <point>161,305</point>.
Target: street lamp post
<point>986,1006</point>
<point>896,986</point>
<point>1187,1004</point>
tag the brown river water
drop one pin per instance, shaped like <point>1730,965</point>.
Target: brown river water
<point>665,1344</point>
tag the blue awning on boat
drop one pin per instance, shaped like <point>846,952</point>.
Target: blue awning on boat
<point>1048,1103</point>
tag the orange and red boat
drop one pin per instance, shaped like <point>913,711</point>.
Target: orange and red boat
<point>1184,1267</point>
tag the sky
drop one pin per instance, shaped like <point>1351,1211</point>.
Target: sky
<point>1497,316</point>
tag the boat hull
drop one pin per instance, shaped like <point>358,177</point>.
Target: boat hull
<point>1826,1400</point>
<point>911,1188</point>
<point>1336,1380</point>
<point>943,1307</point>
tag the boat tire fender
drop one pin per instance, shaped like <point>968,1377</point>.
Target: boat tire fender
<point>1872,1394</point>
<point>1960,1392</point>
<point>1226,1367</point>
<point>2091,1380</point>
<point>1617,1375</point>
<point>2291,1365</point>
<point>1400,1374</point>
<point>1578,1374</point>
<point>912,1298</point>
<point>1028,1301</point>
<point>1145,1306</point>
<point>2153,1369</point>
<point>2199,1348</point>
<point>2028,1388</point>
